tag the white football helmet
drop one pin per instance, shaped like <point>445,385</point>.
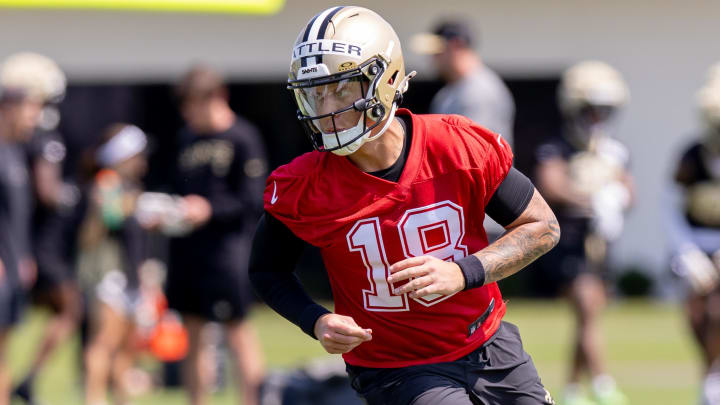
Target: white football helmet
<point>348,76</point>
<point>589,94</point>
<point>35,75</point>
<point>28,74</point>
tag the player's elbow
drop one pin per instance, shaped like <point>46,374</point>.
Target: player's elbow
<point>549,236</point>
<point>551,232</point>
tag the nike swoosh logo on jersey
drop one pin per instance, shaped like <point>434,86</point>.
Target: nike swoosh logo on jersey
<point>274,197</point>
<point>498,139</point>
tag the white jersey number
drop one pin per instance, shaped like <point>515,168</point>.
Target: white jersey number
<point>434,230</point>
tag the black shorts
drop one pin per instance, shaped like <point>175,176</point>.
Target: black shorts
<point>558,268</point>
<point>498,373</point>
<point>209,278</point>
<point>54,249</point>
<point>12,303</point>
<point>51,274</point>
<point>215,295</point>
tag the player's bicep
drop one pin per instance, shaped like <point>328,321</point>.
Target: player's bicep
<point>511,198</point>
<point>537,211</point>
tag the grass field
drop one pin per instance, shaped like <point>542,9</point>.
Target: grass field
<point>649,351</point>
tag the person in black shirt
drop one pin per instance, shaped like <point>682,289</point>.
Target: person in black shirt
<point>583,175</point>
<point>221,176</point>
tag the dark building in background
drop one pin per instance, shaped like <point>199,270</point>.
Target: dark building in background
<point>88,108</point>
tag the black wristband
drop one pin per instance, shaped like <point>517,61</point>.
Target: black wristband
<point>472,270</point>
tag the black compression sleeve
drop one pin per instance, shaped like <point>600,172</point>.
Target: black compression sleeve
<point>511,198</point>
<point>275,252</point>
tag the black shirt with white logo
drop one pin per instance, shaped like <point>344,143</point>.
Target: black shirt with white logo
<point>229,170</point>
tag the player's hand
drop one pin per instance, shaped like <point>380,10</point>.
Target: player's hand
<point>197,209</point>
<point>427,275</point>
<point>27,270</point>
<point>340,334</point>
<point>697,269</point>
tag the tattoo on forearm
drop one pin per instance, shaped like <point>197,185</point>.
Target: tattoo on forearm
<point>520,246</point>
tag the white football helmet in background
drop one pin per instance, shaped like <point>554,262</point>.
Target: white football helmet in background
<point>36,76</point>
<point>589,94</point>
<point>708,99</point>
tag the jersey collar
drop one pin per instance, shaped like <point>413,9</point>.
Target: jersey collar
<point>357,177</point>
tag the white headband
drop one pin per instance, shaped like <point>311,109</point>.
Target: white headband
<point>127,143</point>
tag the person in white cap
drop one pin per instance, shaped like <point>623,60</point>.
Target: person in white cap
<point>113,250</point>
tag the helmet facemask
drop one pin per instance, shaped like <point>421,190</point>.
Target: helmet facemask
<point>339,112</point>
<point>590,94</point>
<point>590,122</point>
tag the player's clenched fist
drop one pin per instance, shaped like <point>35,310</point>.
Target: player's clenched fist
<point>429,275</point>
<point>339,333</point>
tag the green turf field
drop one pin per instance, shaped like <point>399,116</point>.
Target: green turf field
<point>649,350</point>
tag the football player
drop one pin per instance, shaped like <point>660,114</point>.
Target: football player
<point>583,175</point>
<point>395,202</point>
<point>695,233</point>
<point>53,224</point>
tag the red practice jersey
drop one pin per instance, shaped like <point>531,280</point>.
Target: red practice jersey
<point>363,224</point>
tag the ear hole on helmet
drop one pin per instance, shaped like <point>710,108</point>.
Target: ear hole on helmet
<point>392,78</point>
<point>377,112</point>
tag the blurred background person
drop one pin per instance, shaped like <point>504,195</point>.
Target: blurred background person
<point>54,200</point>
<point>471,88</point>
<point>695,234</point>
<point>20,108</point>
<point>114,247</point>
<point>9,308</point>
<point>221,176</point>
<point>22,105</point>
<point>583,174</point>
